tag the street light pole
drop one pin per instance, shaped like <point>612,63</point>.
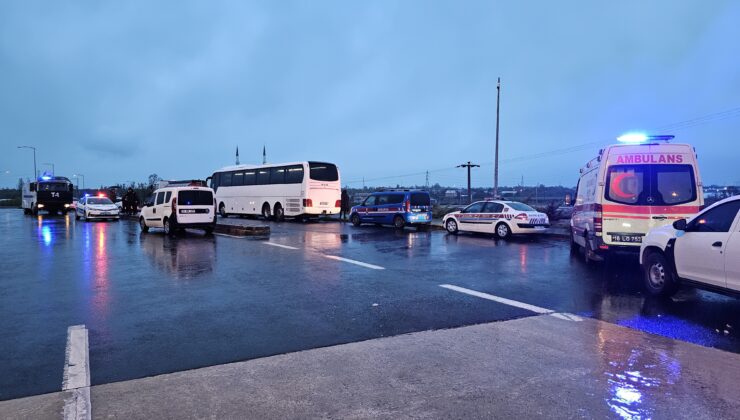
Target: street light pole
<point>53,171</point>
<point>468,166</point>
<point>78,176</point>
<point>35,174</point>
<point>495,171</point>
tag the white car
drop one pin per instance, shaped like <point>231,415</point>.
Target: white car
<point>96,207</point>
<point>703,251</point>
<point>501,218</point>
<point>180,205</point>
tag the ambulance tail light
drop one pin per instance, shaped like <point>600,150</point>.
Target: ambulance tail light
<point>598,219</point>
<point>521,216</point>
<point>407,204</point>
<point>307,202</point>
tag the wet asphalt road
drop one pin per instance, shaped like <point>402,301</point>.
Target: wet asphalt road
<point>155,304</point>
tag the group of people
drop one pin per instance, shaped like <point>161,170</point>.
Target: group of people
<point>130,202</point>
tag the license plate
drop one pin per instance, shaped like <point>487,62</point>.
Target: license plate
<point>105,212</point>
<point>627,238</point>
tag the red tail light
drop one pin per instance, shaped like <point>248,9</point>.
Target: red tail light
<point>521,216</point>
<point>598,219</point>
<point>174,205</point>
<point>338,203</point>
<point>408,206</point>
<point>307,202</point>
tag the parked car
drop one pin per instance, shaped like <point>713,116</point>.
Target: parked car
<point>396,207</point>
<point>96,207</point>
<point>703,251</point>
<point>501,218</point>
<point>178,206</point>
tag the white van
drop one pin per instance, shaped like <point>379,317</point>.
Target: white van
<point>631,187</point>
<point>180,205</point>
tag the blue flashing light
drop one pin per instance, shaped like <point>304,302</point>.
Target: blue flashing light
<point>633,138</point>
<point>46,177</point>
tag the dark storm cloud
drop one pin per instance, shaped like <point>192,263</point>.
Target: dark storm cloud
<point>120,90</point>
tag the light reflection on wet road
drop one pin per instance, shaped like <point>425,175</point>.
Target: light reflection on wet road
<point>155,304</point>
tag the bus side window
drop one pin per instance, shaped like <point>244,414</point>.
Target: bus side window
<point>277,175</point>
<point>294,174</point>
<point>250,177</point>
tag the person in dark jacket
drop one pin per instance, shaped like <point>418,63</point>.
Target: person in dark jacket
<point>344,210</point>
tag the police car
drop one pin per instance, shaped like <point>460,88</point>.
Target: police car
<point>397,207</point>
<point>501,218</point>
<point>96,207</point>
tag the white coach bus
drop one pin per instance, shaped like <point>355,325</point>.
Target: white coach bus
<point>297,189</point>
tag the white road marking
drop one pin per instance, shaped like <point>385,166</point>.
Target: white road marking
<point>229,236</point>
<point>76,381</point>
<point>514,303</point>
<point>360,263</point>
<point>279,245</point>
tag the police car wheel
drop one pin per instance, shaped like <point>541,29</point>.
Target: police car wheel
<point>398,222</point>
<point>451,226</point>
<point>503,231</point>
<point>658,275</point>
<point>355,219</point>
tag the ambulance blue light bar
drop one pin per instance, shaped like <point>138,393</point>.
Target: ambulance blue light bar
<point>639,138</point>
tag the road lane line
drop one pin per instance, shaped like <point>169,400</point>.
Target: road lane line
<point>76,380</point>
<point>560,315</point>
<point>498,299</point>
<point>279,245</point>
<point>360,263</point>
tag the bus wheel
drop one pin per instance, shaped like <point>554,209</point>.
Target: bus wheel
<point>279,213</point>
<point>222,211</point>
<point>266,211</point>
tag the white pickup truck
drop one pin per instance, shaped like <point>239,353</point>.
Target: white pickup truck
<point>703,251</point>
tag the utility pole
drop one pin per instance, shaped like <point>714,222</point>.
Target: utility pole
<point>495,170</point>
<point>468,166</point>
<point>35,173</point>
<point>427,180</point>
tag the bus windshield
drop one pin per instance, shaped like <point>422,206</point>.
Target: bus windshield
<point>650,185</point>
<point>323,171</point>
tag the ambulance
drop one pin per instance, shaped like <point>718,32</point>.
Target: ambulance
<point>631,187</point>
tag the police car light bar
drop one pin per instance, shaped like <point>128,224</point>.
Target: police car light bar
<point>637,138</point>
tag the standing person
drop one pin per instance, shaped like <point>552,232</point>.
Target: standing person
<point>344,209</point>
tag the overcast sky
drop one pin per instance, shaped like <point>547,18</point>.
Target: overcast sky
<point>119,90</point>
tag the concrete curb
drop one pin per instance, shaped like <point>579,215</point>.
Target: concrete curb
<point>241,230</point>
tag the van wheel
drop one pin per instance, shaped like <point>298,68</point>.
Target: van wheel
<point>355,219</point>
<point>658,274</point>
<point>266,211</point>
<point>279,213</point>
<point>142,224</point>
<point>503,231</point>
<point>168,228</point>
<point>451,226</point>
<point>222,211</point>
<point>398,222</point>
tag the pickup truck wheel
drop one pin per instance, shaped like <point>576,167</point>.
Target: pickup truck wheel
<point>658,274</point>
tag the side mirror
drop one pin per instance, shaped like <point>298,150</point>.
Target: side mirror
<point>680,224</point>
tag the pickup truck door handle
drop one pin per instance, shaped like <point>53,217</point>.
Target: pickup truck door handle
<point>659,217</point>
<point>717,244</point>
